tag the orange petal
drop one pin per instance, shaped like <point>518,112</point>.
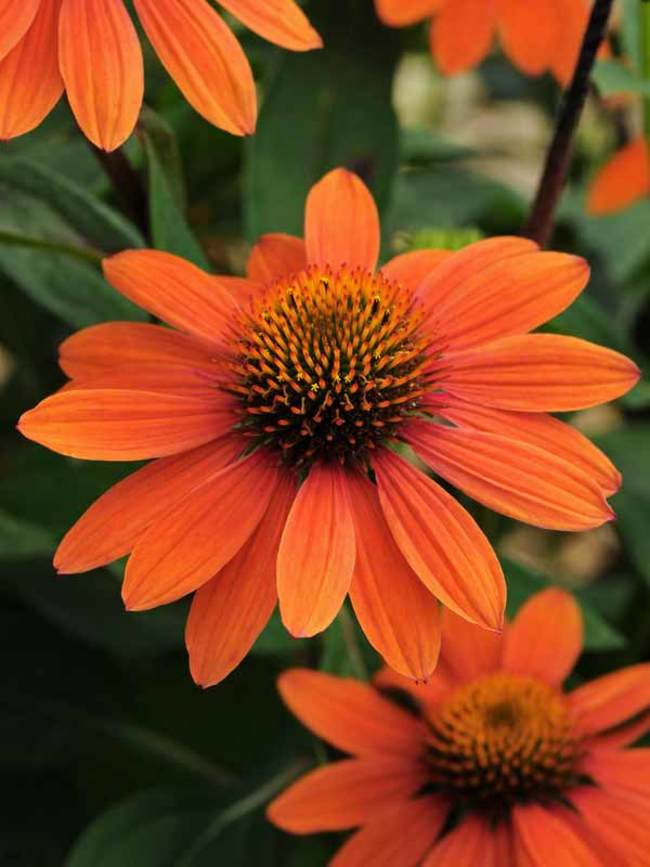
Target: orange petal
<point>341,223</point>
<point>112,525</point>
<point>428,695</point>
<point>205,60</point>
<point>279,21</point>
<point>611,700</point>
<point>398,838</point>
<point>230,610</point>
<point>618,826</point>
<point>410,269</point>
<point>539,430</point>
<point>346,794</point>
<point>202,532</point>
<point>16,17</point>
<point>544,640</point>
<point>512,477</point>
<point>510,296</point>
<point>540,373</point>
<point>275,256</point>
<point>473,841</point>
<point>468,651</point>
<point>400,13</point>
<point>530,34</point>
<point>30,81</point>
<point>462,33</point>
<point>620,772</point>
<point>623,180</point>
<point>95,350</point>
<point>172,289</point>
<point>441,542</point>
<point>350,715</point>
<point>123,424</point>
<point>317,552</point>
<point>399,616</point>
<point>544,836</point>
<point>101,64</point>
<point>440,287</point>
<point>575,15</point>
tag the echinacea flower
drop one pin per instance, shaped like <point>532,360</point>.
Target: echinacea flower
<point>537,37</point>
<point>493,765</point>
<point>623,180</point>
<point>274,406</point>
<point>90,49</point>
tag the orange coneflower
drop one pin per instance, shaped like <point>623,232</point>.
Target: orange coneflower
<point>540,36</point>
<point>90,49</point>
<point>489,764</point>
<point>274,406</point>
<point>623,180</point>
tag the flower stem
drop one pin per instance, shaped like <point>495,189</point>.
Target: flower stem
<point>127,185</point>
<point>540,221</point>
<point>355,655</point>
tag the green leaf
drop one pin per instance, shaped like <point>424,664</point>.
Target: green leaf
<point>21,538</point>
<point>323,109</point>
<point>524,582</point>
<point>170,230</point>
<point>612,77</point>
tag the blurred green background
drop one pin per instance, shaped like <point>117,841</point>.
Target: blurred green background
<point>110,756</point>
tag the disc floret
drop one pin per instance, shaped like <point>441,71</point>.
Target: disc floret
<point>328,363</point>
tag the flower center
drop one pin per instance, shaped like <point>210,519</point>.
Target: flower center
<point>502,739</point>
<point>328,363</point>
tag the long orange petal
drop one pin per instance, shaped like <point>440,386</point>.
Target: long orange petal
<point>545,836</point>
<point>574,14</point>
<point>16,17</point>
<point>623,180</point>
<point>346,794</point>
<point>350,715</point>
<point>530,34</point>
<point>620,771</point>
<point>451,274</point>
<point>538,429</point>
<point>205,60</point>
<point>123,424</point>
<point>398,838</point>
<point>611,700</point>
<point>112,525</point>
<point>30,81</point>
<point>510,296</point>
<point>275,256</point>
<point>96,349</point>
<point>473,841</point>
<point>174,290</point>
<point>617,825</point>
<point>540,373</point>
<point>195,539</point>
<point>401,13</point>
<point>399,616</point>
<point>410,269</point>
<point>317,552</point>
<point>341,223</point>
<point>468,651</point>
<point>441,542</point>
<point>513,477</point>
<point>462,33</point>
<point>230,610</point>
<point>280,21</point>
<point>101,63</point>
<point>545,639</point>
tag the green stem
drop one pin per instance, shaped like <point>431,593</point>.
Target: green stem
<point>351,644</point>
<point>644,33</point>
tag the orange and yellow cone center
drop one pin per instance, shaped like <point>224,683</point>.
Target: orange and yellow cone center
<point>328,363</point>
<point>500,740</point>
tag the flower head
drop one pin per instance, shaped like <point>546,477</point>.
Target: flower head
<point>622,181</point>
<point>538,37</point>
<point>491,762</point>
<point>284,412</point>
<point>90,49</point>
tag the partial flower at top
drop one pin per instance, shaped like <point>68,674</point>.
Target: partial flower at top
<point>540,36</point>
<point>286,411</point>
<point>622,181</point>
<point>90,49</point>
<point>494,765</point>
